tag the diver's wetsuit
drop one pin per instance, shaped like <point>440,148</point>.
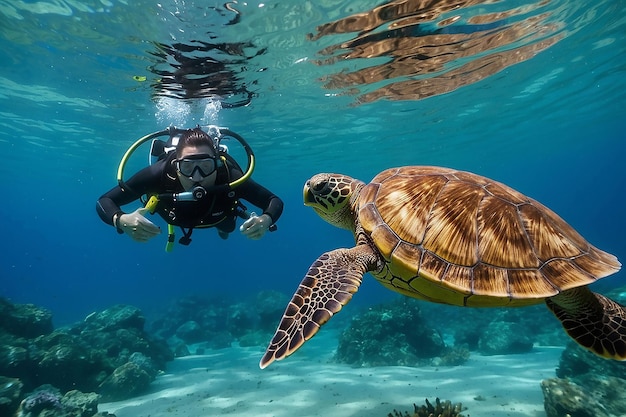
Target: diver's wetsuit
<point>216,209</point>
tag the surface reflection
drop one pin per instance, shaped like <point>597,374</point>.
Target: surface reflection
<point>198,62</point>
<point>201,69</point>
<point>414,49</point>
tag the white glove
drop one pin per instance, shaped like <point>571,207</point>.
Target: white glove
<point>256,226</point>
<point>137,226</point>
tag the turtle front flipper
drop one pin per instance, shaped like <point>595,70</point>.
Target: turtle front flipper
<point>592,320</point>
<point>326,288</point>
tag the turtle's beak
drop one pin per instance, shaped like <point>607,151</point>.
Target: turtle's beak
<point>307,195</point>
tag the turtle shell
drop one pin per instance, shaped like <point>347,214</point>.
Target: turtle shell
<point>459,238</point>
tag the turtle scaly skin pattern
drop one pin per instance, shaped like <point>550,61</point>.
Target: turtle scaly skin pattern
<point>457,238</point>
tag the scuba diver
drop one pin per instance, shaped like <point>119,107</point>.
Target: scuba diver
<point>194,183</point>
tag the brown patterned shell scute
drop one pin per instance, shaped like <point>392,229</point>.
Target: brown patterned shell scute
<point>474,236</point>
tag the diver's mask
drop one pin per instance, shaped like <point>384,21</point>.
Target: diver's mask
<point>205,164</point>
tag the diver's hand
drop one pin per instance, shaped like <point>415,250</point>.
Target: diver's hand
<point>137,226</point>
<point>256,226</point>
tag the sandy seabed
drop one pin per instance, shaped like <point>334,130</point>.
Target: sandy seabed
<point>229,382</point>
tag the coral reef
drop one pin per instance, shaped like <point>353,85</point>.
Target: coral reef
<point>47,401</point>
<point>587,386</point>
<point>126,381</point>
<point>403,333</point>
<point>576,361</point>
<point>529,325</point>
<point>10,394</point>
<point>411,332</point>
<point>588,396</point>
<point>43,398</point>
<point>452,356</point>
<point>503,337</point>
<point>79,357</point>
<point>395,334</point>
<point>217,322</point>
<point>440,409</point>
<point>24,320</point>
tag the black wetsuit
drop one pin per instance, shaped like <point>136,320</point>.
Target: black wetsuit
<point>217,209</point>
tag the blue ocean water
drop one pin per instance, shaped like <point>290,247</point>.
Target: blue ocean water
<point>543,110</point>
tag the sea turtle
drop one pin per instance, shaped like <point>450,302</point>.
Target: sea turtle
<point>456,238</point>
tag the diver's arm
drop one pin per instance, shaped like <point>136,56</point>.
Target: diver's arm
<point>262,198</point>
<point>143,182</point>
<point>256,194</point>
<point>255,227</point>
<point>274,208</point>
<point>134,224</point>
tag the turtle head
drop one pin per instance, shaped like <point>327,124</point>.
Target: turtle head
<point>333,196</point>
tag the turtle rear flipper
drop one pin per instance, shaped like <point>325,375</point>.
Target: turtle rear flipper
<point>592,320</point>
<point>326,288</point>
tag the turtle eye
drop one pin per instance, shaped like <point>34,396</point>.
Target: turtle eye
<point>319,186</point>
